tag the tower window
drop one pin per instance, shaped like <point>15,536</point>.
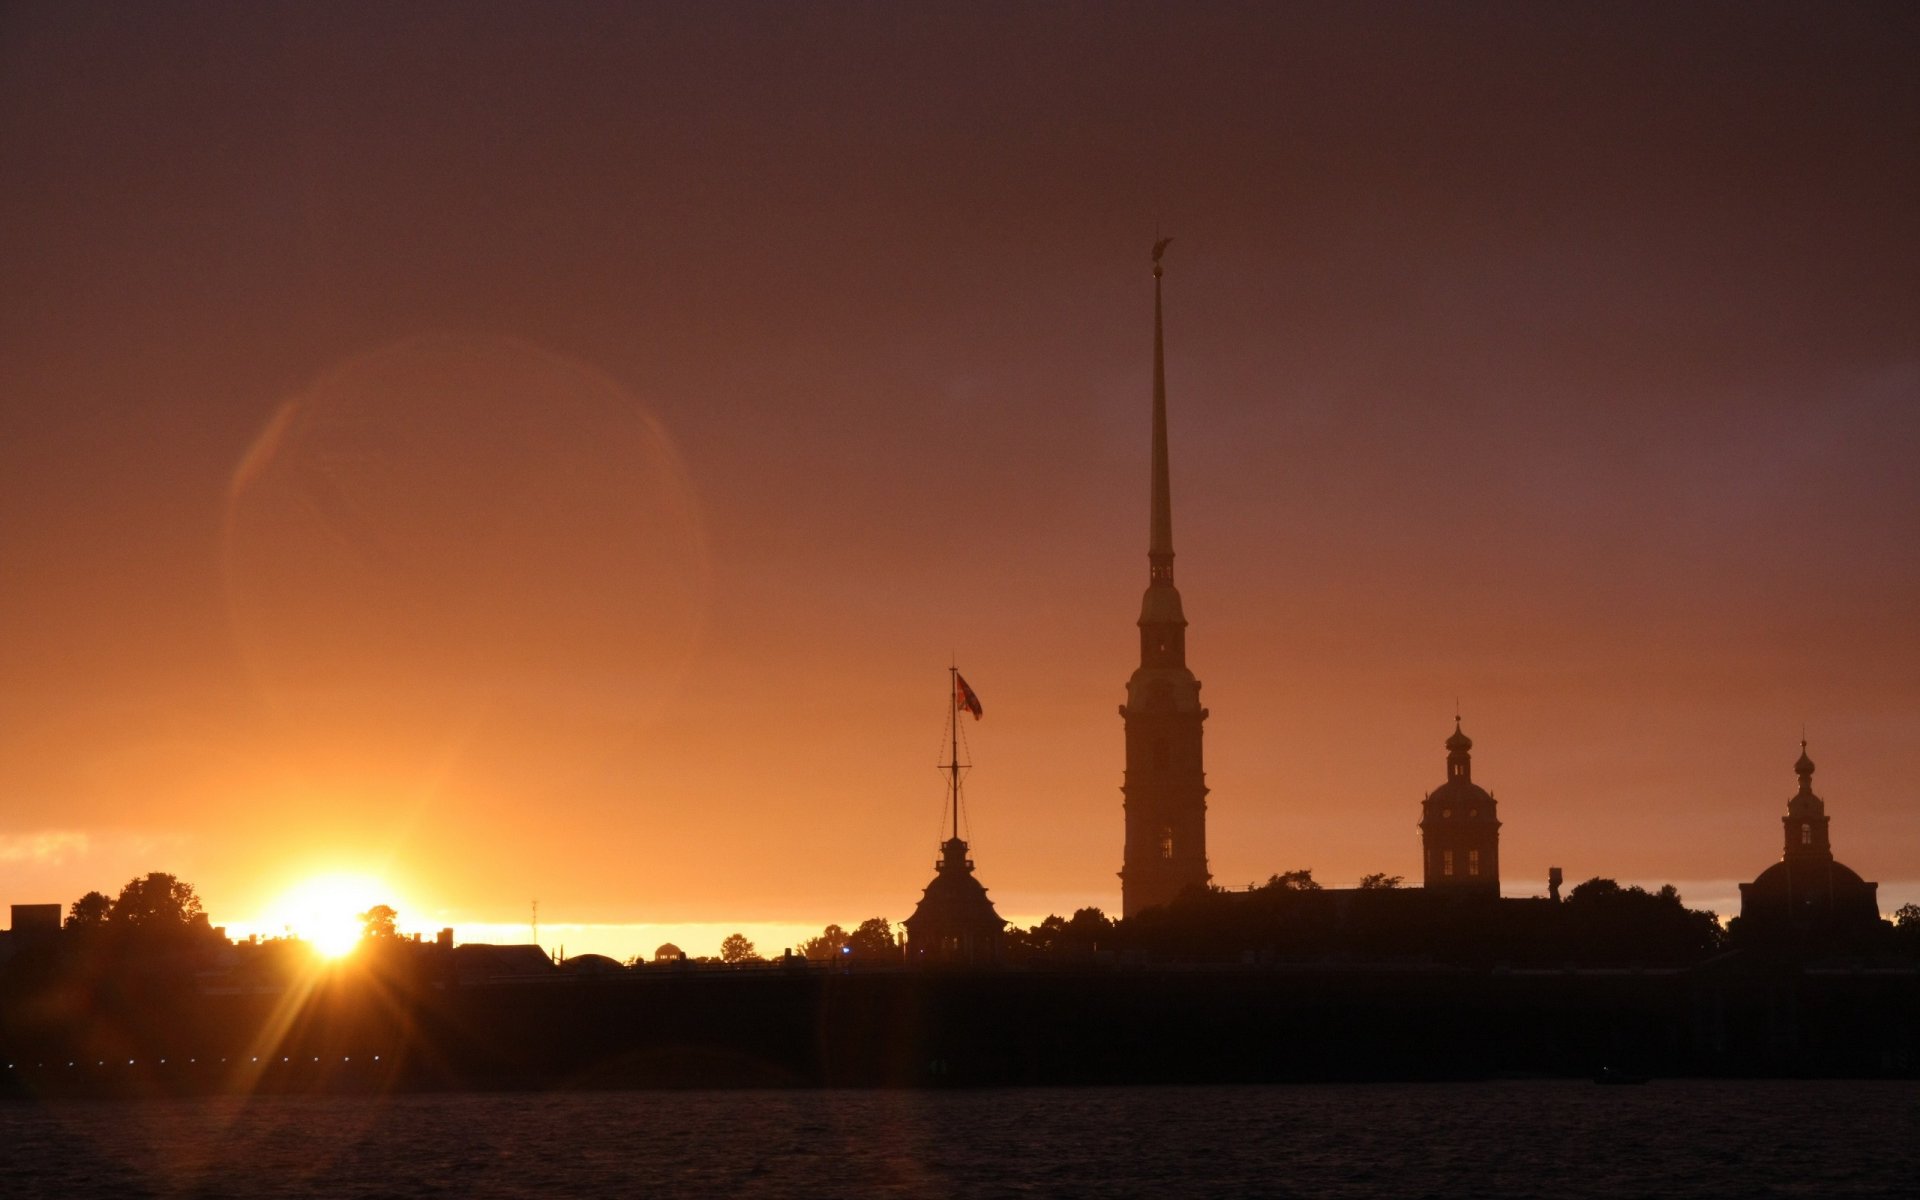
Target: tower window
<point>1446,862</point>
<point>1806,835</point>
<point>1473,862</point>
<point>1166,842</point>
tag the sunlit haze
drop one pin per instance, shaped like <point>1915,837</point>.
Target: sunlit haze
<point>324,911</point>
<point>469,456</point>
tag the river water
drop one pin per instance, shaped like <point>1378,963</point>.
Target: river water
<point>1548,1138</point>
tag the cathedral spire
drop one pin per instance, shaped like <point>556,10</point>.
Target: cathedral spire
<point>1165,789</point>
<point>1160,539</point>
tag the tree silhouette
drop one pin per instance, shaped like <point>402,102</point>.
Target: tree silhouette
<point>1086,931</point>
<point>1294,881</point>
<point>873,941</point>
<point>89,912</point>
<point>1089,927</point>
<point>1381,881</point>
<point>1905,937</point>
<point>376,924</point>
<point>157,901</point>
<point>1605,922</point>
<point>737,949</point>
<point>826,946</point>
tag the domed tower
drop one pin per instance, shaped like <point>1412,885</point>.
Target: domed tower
<point>1807,889</point>
<point>1459,833</point>
<point>1165,788</point>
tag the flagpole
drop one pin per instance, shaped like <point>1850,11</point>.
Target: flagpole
<point>953,717</point>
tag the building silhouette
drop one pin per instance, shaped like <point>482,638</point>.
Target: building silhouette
<point>1165,785</point>
<point>36,920</point>
<point>955,923</point>
<point>1807,892</point>
<point>33,925</point>
<point>1459,833</point>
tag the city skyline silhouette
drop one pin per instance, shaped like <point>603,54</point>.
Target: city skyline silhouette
<point>516,460</point>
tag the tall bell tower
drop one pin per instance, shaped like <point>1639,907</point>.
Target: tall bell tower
<point>1165,788</point>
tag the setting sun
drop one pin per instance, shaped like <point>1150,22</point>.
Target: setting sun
<point>324,910</point>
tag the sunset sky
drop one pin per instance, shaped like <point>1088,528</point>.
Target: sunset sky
<point>512,451</point>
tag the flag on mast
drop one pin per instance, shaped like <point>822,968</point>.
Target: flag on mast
<point>963,697</point>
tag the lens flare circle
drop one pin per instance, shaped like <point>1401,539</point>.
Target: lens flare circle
<point>455,542</point>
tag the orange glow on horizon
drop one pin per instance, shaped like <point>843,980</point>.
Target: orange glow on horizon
<point>325,911</point>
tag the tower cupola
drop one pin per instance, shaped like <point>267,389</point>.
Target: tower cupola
<point>1806,819</point>
<point>1459,754</point>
